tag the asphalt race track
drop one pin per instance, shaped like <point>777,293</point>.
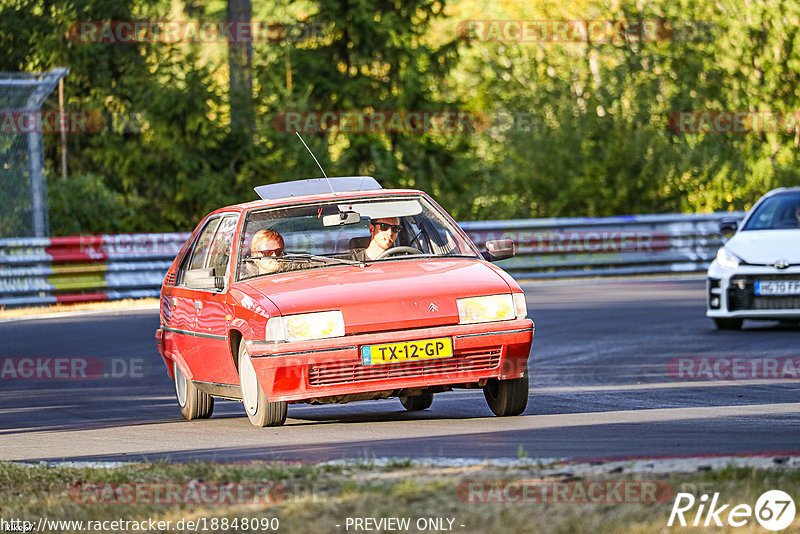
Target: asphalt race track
<point>604,385</point>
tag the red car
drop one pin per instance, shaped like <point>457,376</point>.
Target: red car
<point>285,300</point>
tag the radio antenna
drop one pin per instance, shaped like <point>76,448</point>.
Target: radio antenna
<point>318,165</point>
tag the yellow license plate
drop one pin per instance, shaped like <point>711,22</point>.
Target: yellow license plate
<point>426,349</point>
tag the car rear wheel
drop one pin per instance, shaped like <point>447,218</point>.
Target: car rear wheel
<point>194,404</point>
<point>260,411</point>
<point>507,397</point>
<point>728,324</point>
<point>417,402</point>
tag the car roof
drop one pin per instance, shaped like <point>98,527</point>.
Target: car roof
<point>781,190</point>
<point>318,197</point>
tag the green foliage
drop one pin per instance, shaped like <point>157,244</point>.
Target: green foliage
<point>573,128</point>
<point>68,201</point>
<point>597,140</point>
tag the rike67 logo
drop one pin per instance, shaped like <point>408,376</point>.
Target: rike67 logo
<point>774,510</point>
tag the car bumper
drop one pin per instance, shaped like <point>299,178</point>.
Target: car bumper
<point>332,367</point>
<point>160,344</point>
<point>730,293</point>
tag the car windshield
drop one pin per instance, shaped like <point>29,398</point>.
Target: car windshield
<point>777,212</point>
<point>341,232</point>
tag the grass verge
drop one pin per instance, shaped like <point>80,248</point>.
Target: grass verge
<point>309,498</point>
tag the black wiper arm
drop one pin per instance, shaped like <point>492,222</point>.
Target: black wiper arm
<point>314,257</point>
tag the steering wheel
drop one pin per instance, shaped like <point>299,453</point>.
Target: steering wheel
<point>397,250</point>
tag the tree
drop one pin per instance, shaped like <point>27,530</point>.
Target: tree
<point>240,62</point>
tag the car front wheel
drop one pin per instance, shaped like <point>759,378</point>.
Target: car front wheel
<point>417,402</point>
<point>728,324</point>
<point>507,397</point>
<point>194,404</point>
<point>260,411</point>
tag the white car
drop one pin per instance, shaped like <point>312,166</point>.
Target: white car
<point>757,273</point>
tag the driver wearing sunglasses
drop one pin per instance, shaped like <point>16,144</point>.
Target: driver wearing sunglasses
<point>383,233</point>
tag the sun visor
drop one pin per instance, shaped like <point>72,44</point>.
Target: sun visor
<point>382,210</point>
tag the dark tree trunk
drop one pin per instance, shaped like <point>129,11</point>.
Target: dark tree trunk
<point>240,59</point>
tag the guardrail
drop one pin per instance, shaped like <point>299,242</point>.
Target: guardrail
<point>85,268</point>
<point>589,246</point>
<point>111,267</point>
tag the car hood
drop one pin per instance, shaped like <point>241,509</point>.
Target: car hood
<point>765,247</point>
<point>392,295</point>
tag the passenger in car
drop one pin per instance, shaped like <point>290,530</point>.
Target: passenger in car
<point>265,246</point>
<point>383,233</point>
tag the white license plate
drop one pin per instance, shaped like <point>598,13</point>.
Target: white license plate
<point>778,287</point>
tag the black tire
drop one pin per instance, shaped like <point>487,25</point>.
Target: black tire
<point>194,404</point>
<point>260,411</point>
<point>507,397</point>
<point>728,324</point>
<point>417,402</point>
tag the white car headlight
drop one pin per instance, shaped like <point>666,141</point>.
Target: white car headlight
<point>486,309</point>
<point>727,259</point>
<point>305,326</point>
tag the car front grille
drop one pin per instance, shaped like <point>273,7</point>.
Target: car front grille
<point>741,295</point>
<point>347,373</point>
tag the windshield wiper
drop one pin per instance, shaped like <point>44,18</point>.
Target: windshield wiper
<point>313,257</point>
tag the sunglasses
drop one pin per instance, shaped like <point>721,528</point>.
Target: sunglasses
<point>382,226</point>
<point>265,253</point>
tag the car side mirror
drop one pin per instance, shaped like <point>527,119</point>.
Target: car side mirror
<point>499,249</point>
<point>728,226</point>
<point>204,279</point>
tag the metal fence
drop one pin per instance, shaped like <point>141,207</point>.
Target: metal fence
<point>23,192</point>
<point>85,268</point>
<point>111,267</point>
<point>589,246</point>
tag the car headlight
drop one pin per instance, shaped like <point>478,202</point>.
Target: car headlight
<point>305,326</point>
<point>520,306</point>
<point>486,309</point>
<point>727,259</point>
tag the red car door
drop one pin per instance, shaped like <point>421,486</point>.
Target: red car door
<point>213,312</point>
<point>186,302</point>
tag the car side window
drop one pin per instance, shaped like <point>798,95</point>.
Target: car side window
<point>201,247</point>
<point>196,255</point>
<point>220,250</point>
